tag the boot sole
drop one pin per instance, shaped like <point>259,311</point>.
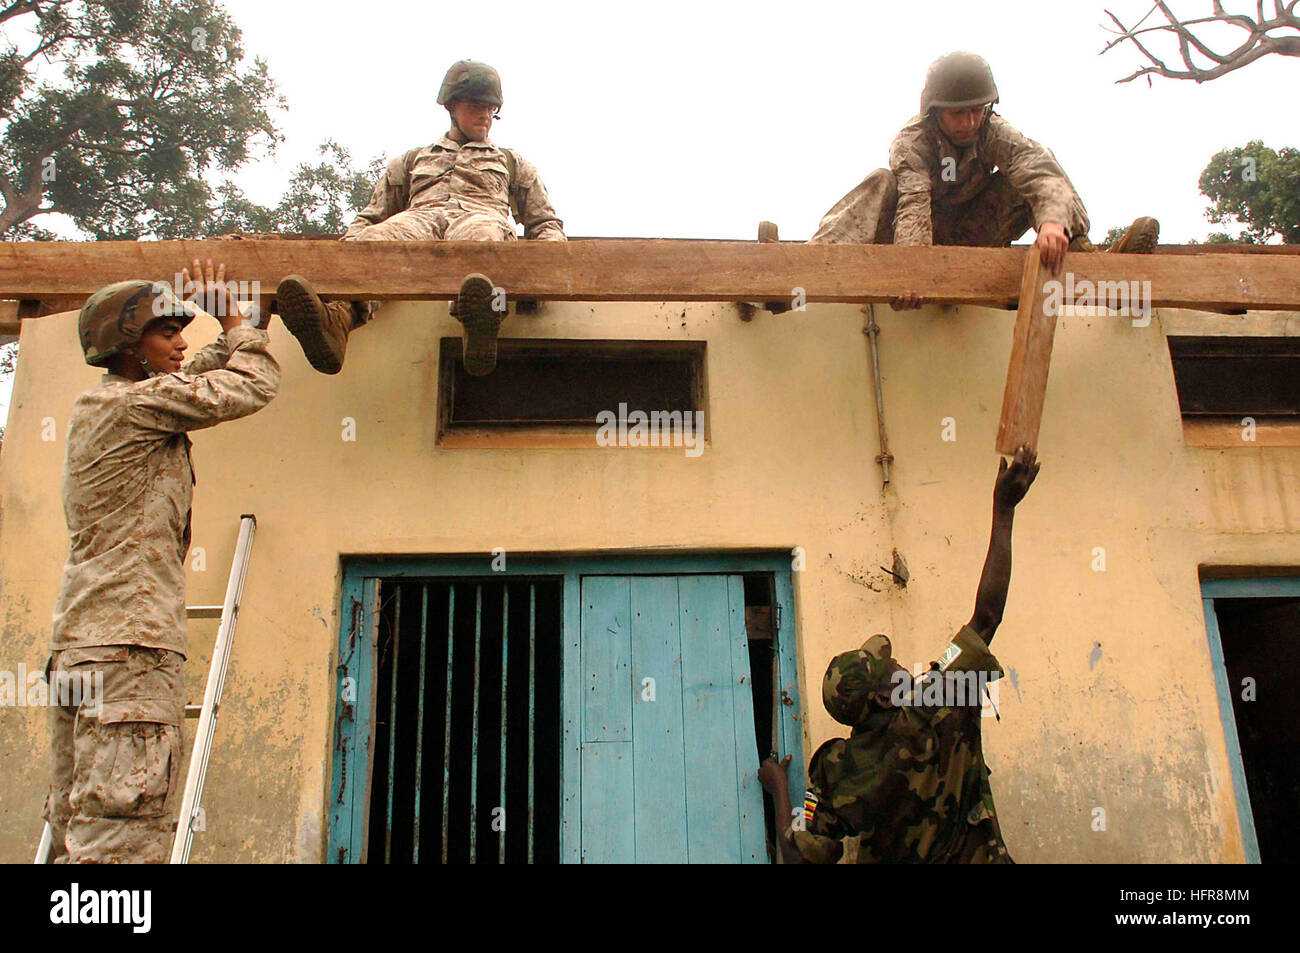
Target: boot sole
<point>482,324</point>
<point>303,314</point>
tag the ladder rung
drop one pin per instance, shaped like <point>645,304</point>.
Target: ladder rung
<point>203,612</point>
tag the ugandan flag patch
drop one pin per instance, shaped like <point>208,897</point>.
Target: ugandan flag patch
<point>809,806</point>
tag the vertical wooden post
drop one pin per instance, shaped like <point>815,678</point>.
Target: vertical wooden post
<point>1031,356</point>
<point>8,318</point>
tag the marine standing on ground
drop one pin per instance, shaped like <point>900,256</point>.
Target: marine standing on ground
<point>127,489</point>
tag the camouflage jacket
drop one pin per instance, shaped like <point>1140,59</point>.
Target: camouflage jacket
<point>930,170</point>
<point>464,177</point>
<point>910,784</point>
<point>127,488</point>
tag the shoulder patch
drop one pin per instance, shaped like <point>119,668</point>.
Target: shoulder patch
<point>949,655</point>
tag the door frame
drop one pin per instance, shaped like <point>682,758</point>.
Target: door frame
<point>353,721</point>
<point>1212,590</point>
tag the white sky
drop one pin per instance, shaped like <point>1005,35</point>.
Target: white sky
<point>699,119</point>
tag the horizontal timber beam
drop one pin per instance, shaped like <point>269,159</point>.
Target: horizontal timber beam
<point>645,270</point>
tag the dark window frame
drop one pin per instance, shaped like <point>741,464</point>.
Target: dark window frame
<point>1228,377</point>
<point>627,352</point>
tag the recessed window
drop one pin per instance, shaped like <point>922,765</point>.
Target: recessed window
<point>562,391</point>
<point>1238,391</point>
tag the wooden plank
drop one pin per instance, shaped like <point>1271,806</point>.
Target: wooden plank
<point>606,659</point>
<point>1031,356</point>
<point>753,838</point>
<point>649,270</point>
<point>712,798</point>
<point>608,835</point>
<point>658,765</point>
<point>43,307</point>
<point>8,317</point>
<point>1214,248</point>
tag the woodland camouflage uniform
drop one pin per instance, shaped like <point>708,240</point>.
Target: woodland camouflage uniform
<point>910,784</point>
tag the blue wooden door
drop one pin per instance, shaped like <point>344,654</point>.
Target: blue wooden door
<point>669,759</point>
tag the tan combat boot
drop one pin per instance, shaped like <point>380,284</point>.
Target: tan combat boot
<point>320,327</point>
<point>1140,239</point>
<point>473,309</point>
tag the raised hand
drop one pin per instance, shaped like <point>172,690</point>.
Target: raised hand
<point>209,290</point>
<point>1013,481</point>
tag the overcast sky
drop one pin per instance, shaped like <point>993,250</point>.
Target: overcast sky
<point>699,119</point>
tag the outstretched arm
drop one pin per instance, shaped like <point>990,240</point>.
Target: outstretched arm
<point>1012,484</point>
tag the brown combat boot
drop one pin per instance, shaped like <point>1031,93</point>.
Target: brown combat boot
<point>1140,239</point>
<point>321,328</point>
<point>473,309</point>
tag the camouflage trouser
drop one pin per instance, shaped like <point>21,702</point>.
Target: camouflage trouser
<point>116,757</point>
<point>997,215</point>
<point>424,225</point>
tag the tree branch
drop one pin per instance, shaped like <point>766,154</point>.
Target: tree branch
<point>1258,44</point>
<point>19,8</point>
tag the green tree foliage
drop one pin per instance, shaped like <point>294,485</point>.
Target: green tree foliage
<point>1114,234</point>
<point>113,111</point>
<point>1256,187</point>
<point>322,198</point>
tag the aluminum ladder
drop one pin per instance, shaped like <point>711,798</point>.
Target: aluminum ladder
<point>228,613</point>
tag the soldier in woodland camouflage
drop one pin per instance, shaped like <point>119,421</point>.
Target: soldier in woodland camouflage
<point>960,174</point>
<point>460,188</point>
<point>127,489</point>
<point>910,784</point>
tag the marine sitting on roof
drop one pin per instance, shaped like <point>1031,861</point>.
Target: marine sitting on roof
<point>460,188</point>
<point>960,174</point>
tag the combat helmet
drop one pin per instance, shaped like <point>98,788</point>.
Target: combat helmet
<point>115,316</point>
<point>470,79</point>
<point>956,81</point>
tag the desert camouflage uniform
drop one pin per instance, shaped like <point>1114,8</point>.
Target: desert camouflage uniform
<point>452,191</point>
<point>910,784</point>
<point>988,193</point>
<point>127,489</point>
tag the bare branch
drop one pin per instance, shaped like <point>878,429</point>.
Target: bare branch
<point>1258,42</point>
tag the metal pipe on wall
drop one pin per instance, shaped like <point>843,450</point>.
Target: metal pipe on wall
<point>872,331</point>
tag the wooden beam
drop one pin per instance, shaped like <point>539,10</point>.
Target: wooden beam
<point>8,317</point>
<point>1031,356</point>
<point>648,270</point>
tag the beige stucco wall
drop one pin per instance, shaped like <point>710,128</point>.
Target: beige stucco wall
<point>791,462</point>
